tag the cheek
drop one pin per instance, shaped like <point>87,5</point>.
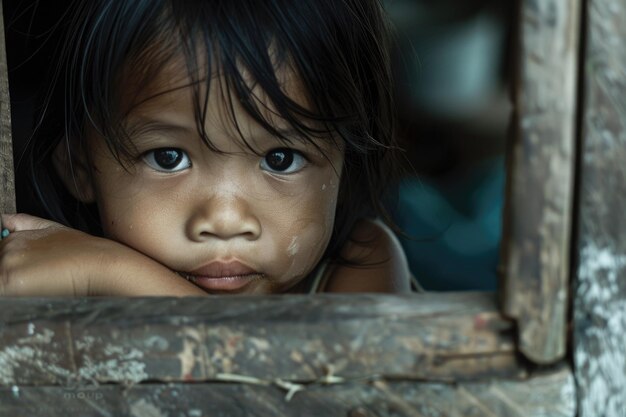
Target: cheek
<point>148,228</point>
<point>125,223</point>
<point>304,242</point>
<point>131,214</point>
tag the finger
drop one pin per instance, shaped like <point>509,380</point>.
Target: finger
<point>19,222</point>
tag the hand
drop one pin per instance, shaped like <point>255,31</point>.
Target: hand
<point>44,258</point>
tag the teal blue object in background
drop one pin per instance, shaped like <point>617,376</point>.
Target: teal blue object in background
<point>453,227</point>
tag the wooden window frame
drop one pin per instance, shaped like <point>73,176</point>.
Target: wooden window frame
<point>434,354</point>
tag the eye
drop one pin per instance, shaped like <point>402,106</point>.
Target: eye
<point>283,161</point>
<point>167,159</point>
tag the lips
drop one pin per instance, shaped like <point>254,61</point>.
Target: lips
<point>223,270</point>
<point>223,276</point>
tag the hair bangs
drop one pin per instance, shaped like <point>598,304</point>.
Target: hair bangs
<point>247,47</point>
<point>244,49</point>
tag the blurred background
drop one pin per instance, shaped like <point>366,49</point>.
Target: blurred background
<point>452,66</point>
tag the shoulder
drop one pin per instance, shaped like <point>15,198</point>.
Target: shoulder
<point>377,262</point>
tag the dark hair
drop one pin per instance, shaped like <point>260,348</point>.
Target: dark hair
<point>338,48</point>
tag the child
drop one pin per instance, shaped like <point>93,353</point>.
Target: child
<point>226,147</point>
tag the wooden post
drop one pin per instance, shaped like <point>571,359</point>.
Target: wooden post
<point>541,158</point>
<point>7,181</point>
<point>600,288</point>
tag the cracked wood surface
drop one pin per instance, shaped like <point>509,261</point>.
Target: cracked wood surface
<point>541,158</point>
<point>600,288</point>
<point>548,394</point>
<point>297,338</point>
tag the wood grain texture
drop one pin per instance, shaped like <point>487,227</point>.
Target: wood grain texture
<point>296,338</point>
<point>547,395</point>
<point>541,160</point>
<point>600,290</point>
<point>7,179</point>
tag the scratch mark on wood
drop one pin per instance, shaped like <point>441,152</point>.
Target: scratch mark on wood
<point>70,346</point>
<point>471,398</point>
<point>512,405</point>
<point>100,410</point>
<point>400,403</point>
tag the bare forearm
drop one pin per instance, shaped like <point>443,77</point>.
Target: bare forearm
<point>43,258</point>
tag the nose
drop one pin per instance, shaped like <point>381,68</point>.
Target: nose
<point>223,217</point>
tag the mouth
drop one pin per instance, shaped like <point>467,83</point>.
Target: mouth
<point>222,276</point>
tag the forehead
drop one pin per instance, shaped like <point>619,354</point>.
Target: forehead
<point>213,87</point>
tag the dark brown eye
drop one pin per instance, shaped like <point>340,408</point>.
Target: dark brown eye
<point>167,159</point>
<point>283,161</point>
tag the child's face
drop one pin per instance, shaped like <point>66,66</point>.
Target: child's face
<point>235,222</point>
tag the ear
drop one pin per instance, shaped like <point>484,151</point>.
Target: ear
<point>73,169</point>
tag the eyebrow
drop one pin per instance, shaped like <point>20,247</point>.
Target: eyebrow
<point>151,124</point>
<point>147,126</point>
<point>288,133</point>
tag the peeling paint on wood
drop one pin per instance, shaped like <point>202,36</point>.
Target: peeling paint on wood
<point>45,356</point>
<point>30,356</point>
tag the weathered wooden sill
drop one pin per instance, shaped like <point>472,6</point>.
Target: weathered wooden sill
<point>434,337</point>
<point>278,355</point>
